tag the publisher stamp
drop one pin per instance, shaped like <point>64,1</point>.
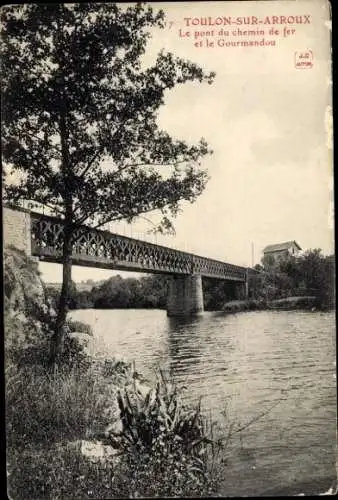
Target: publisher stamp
<point>303,59</point>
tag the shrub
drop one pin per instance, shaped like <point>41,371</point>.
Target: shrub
<point>27,340</point>
<point>74,356</point>
<point>158,416</point>
<point>78,326</point>
<point>153,475</point>
<point>164,441</point>
<point>120,370</point>
<point>56,473</point>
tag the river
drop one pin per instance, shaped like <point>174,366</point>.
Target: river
<point>274,369</point>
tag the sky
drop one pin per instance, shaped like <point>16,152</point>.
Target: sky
<point>267,122</point>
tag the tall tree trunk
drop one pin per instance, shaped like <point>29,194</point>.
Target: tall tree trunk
<point>57,345</point>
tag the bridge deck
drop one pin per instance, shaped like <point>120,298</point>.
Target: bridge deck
<point>103,249</point>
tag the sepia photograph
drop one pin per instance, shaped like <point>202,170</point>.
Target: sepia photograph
<point>168,249</point>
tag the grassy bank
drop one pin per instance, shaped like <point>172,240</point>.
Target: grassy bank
<point>287,303</point>
<point>158,447</point>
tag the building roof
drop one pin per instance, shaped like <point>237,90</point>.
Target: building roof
<point>281,246</point>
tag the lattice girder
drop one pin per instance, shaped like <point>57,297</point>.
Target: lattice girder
<point>105,249</point>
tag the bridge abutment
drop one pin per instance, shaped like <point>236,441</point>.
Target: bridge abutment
<point>185,295</point>
<point>17,228</point>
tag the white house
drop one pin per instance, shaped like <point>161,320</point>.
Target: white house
<point>280,250</point>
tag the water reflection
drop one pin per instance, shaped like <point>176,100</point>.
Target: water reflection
<point>196,353</point>
<point>184,346</point>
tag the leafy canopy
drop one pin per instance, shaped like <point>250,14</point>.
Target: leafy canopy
<point>80,113</point>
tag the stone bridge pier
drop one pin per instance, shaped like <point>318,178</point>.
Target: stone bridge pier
<point>185,295</point>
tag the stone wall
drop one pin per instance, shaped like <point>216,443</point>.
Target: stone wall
<point>16,228</point>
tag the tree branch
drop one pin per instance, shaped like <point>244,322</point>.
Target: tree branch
<point>85,170</point>
<point>83,173</point>
<point>60,212</point>
<point>121,217</point>
<point>34,136</point>
<point>168,164</point>
<point>256,418</point>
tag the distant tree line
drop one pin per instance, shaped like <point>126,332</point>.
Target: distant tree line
<point>119,293</point>
<point>148,292</point>
<point>311,274</point>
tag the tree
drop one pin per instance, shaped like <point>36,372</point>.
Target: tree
<point>79,120</point>
<point>216,293</point>
<point>268,261</point>
<point>317,272</point>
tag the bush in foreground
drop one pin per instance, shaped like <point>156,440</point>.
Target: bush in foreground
<point>166,442</point>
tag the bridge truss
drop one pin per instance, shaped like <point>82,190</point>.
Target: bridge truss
<point>98,248</point>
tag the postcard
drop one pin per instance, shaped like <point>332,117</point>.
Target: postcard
<point>169,261</point>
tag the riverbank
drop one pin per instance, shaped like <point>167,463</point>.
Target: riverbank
<point>284,304</point>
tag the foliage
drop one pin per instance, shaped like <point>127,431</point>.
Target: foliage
<point>55,473</point>
<point>216,293</point>
<point>80,131</point>
<point>318,274</point>
<point>309,274</point>
<point>82,81</point>
<point>73,325</point>
<point>160,435</point>
<point>149,291</point>
<point>74,356</point>
<point>145,292</point>
<point>158,417</point>
<point>54,295</point>
<point>268,261</point>
<point>118,292</point>
<point>82,300</point>
<point>156,475</point>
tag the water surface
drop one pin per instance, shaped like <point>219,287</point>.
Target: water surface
<point>276,369</point>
